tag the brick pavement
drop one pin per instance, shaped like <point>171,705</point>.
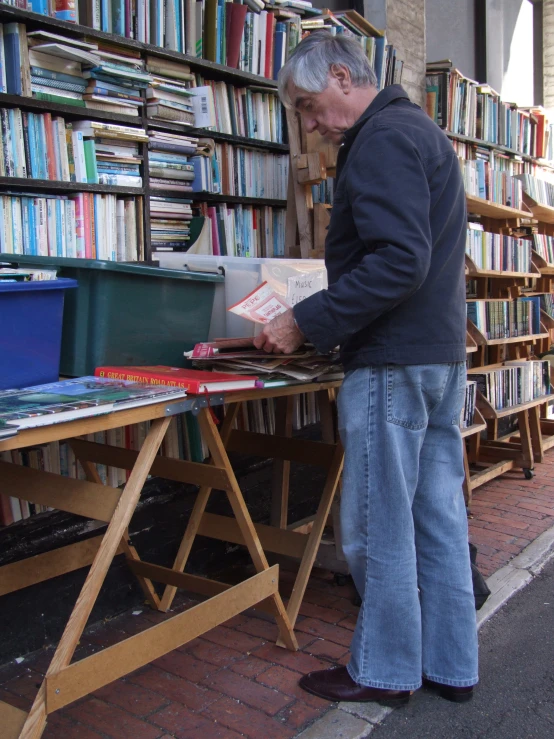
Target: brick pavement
<point>233,682</point>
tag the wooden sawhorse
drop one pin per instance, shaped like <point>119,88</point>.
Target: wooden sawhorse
<point>278,538</point>
<point>65,681</point>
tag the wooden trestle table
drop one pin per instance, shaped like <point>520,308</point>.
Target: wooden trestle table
<point>66,681</point>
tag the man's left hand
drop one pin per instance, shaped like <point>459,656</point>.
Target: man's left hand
<point>280,336</point>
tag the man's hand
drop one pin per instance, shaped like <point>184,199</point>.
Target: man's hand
<point>280,336</point>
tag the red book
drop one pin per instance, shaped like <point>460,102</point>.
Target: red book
<point>270,34</point>
<point>50,151</point>
<point>235,16</point>
<point>195,381</point>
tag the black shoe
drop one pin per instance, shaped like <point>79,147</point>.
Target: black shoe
<point>335,684</point>
<point>451,692</point>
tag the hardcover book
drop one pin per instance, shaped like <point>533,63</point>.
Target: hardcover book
<point>194,381</point>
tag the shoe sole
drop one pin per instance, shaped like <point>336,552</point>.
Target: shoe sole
<point>445,692</point>
<point>390,702</point>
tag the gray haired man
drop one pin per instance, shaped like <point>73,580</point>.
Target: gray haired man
<point>396,306</point>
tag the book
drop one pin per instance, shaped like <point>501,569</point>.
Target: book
<point>194,381</point>
<point>68,400</point>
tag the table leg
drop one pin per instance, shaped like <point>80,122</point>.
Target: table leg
<point>36,720</point>
<point>242,516</point>
<point>91,473</point>
<point>200,503</point>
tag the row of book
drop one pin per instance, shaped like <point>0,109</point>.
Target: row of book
<point>103,76</point>
<point>497,252</point>
<point>253,112</point>
<point>237,171</point>
<point>504,319</point>
<point>83,225</point>
<point>464,107</point>
<point>539,190</point>
<point>516,383</point>
<point>468,411</point>
<point>45,147</point>
<point>323,192</point>
<point>544,246</point>
<point>547,304</point>
<point>482,181</point>
<point>55,68</point>
<point>244,230</point>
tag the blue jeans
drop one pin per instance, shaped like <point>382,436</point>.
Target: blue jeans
<point>404,526</point>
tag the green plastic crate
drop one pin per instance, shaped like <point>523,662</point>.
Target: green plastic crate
<point>124,313</point>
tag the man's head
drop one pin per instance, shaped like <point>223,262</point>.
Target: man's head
<point>329,81</point>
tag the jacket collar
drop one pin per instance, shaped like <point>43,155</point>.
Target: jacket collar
<point>380,101</point>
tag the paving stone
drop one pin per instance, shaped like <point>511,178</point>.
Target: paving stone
<point>372,712</point>
<point>337,724</point>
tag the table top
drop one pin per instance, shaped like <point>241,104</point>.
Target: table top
<point>129,416</point>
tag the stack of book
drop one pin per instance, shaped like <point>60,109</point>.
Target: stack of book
<point>170,223</point>
<point>239,356</point>
<point>83,225</point>
<point>116,80</point>
<point>55,67</point>
<point>169,161</point>
<point>113,152</point>
<point>497,252</point>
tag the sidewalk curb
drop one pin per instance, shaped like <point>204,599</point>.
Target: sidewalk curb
<point>504,583</point>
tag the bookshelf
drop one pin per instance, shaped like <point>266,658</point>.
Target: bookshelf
<point>504,153</point>
<point>72,113</point>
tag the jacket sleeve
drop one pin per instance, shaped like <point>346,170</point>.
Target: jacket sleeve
<point>388,191</point>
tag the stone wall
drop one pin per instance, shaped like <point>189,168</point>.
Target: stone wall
<point>405,24</point>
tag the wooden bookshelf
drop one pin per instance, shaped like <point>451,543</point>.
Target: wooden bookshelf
<point>482,207</point>
<point>158,125</point>
<point>55,186</point>
<point>35,21</point>
<point>208,69</point>
<point>67,111</point>
<point>474,271</point>
<point>490,145</point>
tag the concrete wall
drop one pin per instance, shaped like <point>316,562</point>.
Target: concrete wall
<point>548,54</point>
<point>450,33</point>
<point>510,49</point>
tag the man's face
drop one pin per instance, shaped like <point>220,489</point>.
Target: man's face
<point>326,112</point>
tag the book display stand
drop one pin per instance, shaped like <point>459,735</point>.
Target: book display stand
<point>494,455</point>
<point>65,681</point>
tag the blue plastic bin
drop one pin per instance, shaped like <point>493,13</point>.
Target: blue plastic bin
<point>31,316</point>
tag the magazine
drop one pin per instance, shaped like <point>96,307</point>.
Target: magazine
<point>67,400</point>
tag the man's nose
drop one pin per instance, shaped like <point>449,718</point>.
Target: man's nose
<point>310,124</point>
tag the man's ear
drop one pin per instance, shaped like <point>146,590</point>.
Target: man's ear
<point>342,75</point>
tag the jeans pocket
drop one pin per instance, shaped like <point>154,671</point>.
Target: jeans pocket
<point>405,397</point>
<point>460,386</point>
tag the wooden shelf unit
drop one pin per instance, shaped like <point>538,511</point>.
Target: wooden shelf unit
<point>211,70</point>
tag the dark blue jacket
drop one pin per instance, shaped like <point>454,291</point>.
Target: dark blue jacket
<point>396,242</point>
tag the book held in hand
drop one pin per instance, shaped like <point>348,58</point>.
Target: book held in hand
<point>194,381</point>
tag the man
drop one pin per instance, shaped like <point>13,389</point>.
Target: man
<point>396,306</point>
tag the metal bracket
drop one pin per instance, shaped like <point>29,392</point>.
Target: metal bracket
<point>194,404</point>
